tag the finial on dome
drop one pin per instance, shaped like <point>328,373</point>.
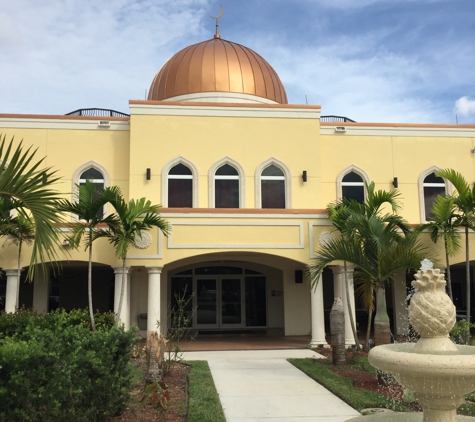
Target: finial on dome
<point>217,23</point>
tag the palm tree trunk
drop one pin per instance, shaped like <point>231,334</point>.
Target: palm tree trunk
<point>368,328</point>
<point>467,274</point>
<point>121,298</point>
<point>449,280</point>
<point>89,287</point>
<point>17,298</point>
<point>352,321</point>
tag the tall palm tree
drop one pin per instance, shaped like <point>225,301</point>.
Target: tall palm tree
<point>442,225</point>
<point>464,201</point>
<point>338,214</point>
<point>378,245</point>
<point>130,220</point>
<point>88,211</point>
<point>18,230</point>
<point>23,179</point>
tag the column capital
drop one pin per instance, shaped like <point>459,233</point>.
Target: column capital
<point>14,272</point>
<point>337,269</point>
<point>119,270</point>
<point>154,270</point>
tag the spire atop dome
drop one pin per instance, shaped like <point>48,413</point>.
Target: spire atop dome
<point>216,35</point>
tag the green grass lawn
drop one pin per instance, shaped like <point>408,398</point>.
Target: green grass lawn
<point>343,387</point>
<point>204,404</point>
<point>358,398</point>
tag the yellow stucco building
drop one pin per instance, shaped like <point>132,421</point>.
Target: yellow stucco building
<point>244,179</point>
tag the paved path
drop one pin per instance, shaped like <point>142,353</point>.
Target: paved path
<point>260,386</point>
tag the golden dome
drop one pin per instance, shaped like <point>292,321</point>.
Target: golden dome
<point>218,66</point>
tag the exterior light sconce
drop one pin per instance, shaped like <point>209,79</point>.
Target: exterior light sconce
<point>472,150</point>
<point>45,178</point>
<point>304,175</point>
<point>395,182</point>
<point>148,174</point>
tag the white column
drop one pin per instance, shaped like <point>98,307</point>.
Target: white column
<point>41,290</point>
<point>339,288</point>
<point>124,316</point>
<point>11,296</point>
<point>318,316</point>
<point>153,308</point>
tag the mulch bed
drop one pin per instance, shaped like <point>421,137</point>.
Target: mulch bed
<point>362,379</point>
<point>139,410</point>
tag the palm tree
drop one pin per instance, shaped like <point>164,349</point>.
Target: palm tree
<point>18,230</point>
<point>378,245</point>
<point>130,220</point>
<point>24,180</point>
<point>338,214</point>
<point>464,201</point>
<point>88,210</point>
<point>442,225</point>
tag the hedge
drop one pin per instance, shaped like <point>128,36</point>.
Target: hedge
<point>54,368</point>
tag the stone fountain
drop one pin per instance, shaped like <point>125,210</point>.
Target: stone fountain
<point>439,372</point>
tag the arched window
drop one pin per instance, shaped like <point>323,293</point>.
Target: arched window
<point>272,187</point>
<point>433,186</point>
<point>96,177</point>
<point>352,187</point>
<point>180,187</point>
<point>93,172</point>
<point>226,187</point>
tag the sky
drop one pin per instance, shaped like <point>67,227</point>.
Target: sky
<point>370,60</point>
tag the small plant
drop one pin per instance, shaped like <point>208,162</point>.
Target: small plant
<point>181,316</point>
<point>460,332</point>
<point>139,352</point>
<point>157,394</point>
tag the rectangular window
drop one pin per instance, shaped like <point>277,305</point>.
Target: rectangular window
<point>273,194</point>
<point>256,310</point>
<point>226,193</point>
<point>180,193</point>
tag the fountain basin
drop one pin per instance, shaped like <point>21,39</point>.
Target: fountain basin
<point>447,374</point>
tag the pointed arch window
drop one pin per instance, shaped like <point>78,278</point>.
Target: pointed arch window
<point>432,186</point>
<point>180,187</point>
<point>272,187</point>
<point>352,187</point>
<point>97,178</point>
<point>226,187</point>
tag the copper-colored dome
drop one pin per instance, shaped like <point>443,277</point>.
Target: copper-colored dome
<point>217,65</point>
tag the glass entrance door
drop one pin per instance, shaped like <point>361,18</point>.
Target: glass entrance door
<point>206,294</point>
<point>219,302</point>
<point>231,302</point>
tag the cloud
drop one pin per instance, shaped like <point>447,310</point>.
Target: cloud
<point>465,106</point>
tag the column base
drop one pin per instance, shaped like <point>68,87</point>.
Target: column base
<point>315,344</point>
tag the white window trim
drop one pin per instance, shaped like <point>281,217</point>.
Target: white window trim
<point>420,186</point>
<point>359,171</point>
<point>212,176</point>
<point>76,181</point>
<point>194,175</point>
<point>258,177</point>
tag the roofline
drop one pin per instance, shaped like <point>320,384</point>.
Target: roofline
<point>215,104</point>
<point>62,117</point>
<point>422,125</point>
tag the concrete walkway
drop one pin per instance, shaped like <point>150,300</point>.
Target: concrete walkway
<point>260,385</point>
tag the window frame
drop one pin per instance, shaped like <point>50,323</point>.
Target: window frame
<point>212,178</point>
<point>194,173</point>
<point>421,185</point>
<point>258,181</point>
<point>76,180</point>
<point>355,169</point>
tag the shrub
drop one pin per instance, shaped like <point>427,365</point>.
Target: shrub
<point>54,368</point>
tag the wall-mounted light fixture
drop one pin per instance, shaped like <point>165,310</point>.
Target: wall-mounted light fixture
<point>148,174</point>
<point>395,182</point>
<point>304,175</point>
<point>45,178</point>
